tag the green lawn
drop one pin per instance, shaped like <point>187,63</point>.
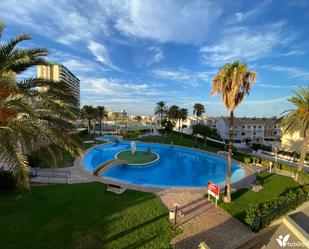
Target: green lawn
<point>273,186</point>
<point>67,159</point>
<point>82,216</point>
<point>137,157</point>
<point>178,140</point>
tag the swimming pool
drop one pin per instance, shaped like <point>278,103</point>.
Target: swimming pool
<point>177,166</point>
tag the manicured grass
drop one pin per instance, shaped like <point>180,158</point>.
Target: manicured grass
<point>273,186</point>
<point>82,216</point>
<point>178,140</point>
<point>137,157</point>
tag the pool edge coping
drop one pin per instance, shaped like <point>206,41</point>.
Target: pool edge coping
<point>249,172</point>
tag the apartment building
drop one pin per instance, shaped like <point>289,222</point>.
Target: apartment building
<point>58,72</point>
<point>250,130</point>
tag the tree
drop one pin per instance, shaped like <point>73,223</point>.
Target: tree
<point>101,115</point>
<point>183,115</point>
<point>88,113</point>
<point>138,118</point>
<point>198,110</point>
<point>35,114</point>
<point>297,120</point>
<point>161,110</point>
<point>195,131</point>
<point>173,113</point>
<point>168,125</point>
<point>233,82</point>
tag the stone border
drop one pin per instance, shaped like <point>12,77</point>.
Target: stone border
<point>139,164</point>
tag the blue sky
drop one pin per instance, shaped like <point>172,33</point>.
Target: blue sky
<point>131,54</point>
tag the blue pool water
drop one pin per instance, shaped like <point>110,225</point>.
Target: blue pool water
<point>104,138</point>
<point>177,166</point>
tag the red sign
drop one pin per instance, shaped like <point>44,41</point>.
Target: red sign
<point>213,190</point>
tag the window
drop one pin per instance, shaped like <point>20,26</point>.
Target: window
<point>243,127</point>
<point>254,133</point>
<point>259,126</point>
<point>254,126</point>
<point>242,133</point>
<point>248,126</point>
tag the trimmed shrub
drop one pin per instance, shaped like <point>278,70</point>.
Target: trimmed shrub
<point>247,160</point>
<point>7,180</point>
<point>303,179</point>
<point>260,216</point>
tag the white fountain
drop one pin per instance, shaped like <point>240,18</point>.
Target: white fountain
<point>133,147</point>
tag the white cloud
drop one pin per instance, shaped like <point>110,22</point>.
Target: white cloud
<point>158,55</point>
<point>100,53</point>
<point>186,77</point>
<point>276,86</point>
<point>255,11</point>
<point>78,65</point>
<point>292,72</point>
<point>136,98</point>
<point>244,44</point>
<point>168,21</point>
<point>248,44</point>
<point>61,21</point>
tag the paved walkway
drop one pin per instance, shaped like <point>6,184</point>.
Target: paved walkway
<point>202,221</point>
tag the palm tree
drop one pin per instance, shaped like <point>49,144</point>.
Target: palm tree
<point>88,113</point>
<point>183,117</point>
<point>173,113</point>
<point>233,82</point>
<point>101,114</point>
<point>161,110</point>
<point>35,114</point>
<point>198,110</point>
<point>297,120</point>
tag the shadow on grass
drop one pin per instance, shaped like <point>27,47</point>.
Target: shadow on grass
<point>132,229</point>
<point>263,178</point>
<point>140,242</point>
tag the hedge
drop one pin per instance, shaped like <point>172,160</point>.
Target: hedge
<point>7,180</point>
<point>201,140</point>
<point>260,216</point>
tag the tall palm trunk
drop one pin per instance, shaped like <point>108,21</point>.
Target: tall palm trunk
<point>89,125</point>
<point>179,125</point>
<point>93,127</point>
<point>196,133</point>
<point>100,126</point>
<point>302,157</point>
<point>181,129</point>
<point>227,189</point>
<point>161,117</point>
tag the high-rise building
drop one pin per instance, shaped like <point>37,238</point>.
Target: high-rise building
<point>58,72</point>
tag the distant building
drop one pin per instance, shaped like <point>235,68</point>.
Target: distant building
<point>58,72</point>
<point>250,130</point>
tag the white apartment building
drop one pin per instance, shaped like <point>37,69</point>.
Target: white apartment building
<point>58,72</point>
<point>250,130</point>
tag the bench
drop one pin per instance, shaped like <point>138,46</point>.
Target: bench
<point>115,188</point>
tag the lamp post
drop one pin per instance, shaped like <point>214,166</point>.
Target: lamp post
<point>173,214</point>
